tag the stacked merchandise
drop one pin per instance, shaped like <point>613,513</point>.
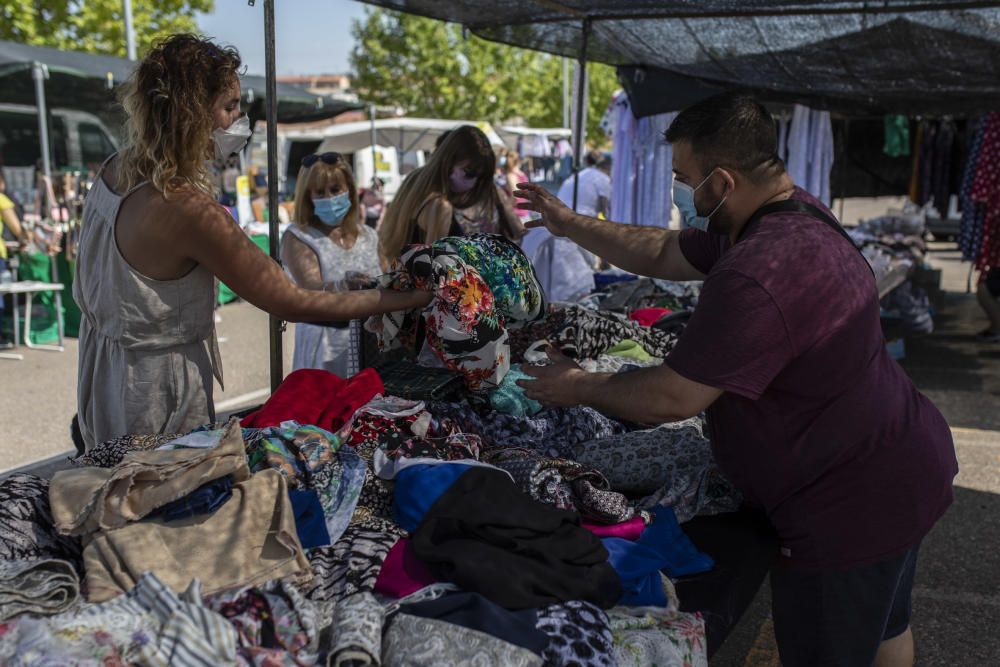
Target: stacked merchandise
<point>342,524</point>
<point>979,238</point>
<point>894,247</point>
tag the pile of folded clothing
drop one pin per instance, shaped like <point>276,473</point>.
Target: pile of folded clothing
<point>341,524</point>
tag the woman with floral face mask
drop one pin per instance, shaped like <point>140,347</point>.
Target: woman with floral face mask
<point>328,248</point>
<point>154,240</point>
<point>452,195</point>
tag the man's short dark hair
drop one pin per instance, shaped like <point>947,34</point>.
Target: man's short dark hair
<point>729,130</point>
<point>592,158</point>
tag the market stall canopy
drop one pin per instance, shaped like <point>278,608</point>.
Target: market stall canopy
<point>85,81</point>
<point>510,133</point>
<point>894,55</point>
<point>405,134</point>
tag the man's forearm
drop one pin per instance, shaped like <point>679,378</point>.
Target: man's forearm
<point>640,250</point>
<point>639,396</point>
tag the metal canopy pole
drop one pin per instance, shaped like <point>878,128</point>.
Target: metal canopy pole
<point>40,73</point>
<point>129,29</point>
<point>276,326</point>
<point>565,66</point>
<point>371,113</point>
<point>581,94</point>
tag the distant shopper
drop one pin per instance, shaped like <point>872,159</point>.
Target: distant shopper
<point>373,203</point>
<point>8,221</point>
<point>514,176</point>
<point>594,193</point>
<point>153,242</point>
<point>452,195</point>
<point>328,248</point>
<point>988,295</point>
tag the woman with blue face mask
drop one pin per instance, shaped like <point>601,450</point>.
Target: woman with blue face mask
<point>327,248</point>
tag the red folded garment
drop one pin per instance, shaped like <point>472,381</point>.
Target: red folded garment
<point>647,317</point>
<point>627,530</point>
<point>317,398</point>
<point>402,572</point>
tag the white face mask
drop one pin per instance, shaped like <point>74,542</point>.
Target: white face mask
<point>231,139</point>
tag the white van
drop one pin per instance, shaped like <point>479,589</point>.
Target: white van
<point>80,141</point>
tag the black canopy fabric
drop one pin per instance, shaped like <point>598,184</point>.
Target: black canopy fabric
<point>85,81</point>
<point>909,56</point>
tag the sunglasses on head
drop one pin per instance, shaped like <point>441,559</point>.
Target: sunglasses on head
<point>326,158</point>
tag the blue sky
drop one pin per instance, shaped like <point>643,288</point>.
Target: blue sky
<point>311,36</point>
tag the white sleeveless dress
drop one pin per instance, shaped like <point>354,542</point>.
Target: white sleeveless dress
<point>147,347</point>
<point>328,348</point>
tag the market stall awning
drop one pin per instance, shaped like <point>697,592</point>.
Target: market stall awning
<point>405,134</point>
<point>86,81</point>
<point>893,55</point>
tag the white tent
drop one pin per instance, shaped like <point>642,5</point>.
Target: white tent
<point>510,133</point>
<point>404,134</point>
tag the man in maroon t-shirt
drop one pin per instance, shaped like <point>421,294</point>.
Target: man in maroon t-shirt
<point>807,413</point>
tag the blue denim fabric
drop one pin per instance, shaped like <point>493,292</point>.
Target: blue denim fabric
<point>204,500</point>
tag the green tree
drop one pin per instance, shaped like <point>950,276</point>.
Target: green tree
<point>432,68</point>
<point>96,26</point>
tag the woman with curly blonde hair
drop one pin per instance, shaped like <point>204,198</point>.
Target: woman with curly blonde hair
<point>154,240</point>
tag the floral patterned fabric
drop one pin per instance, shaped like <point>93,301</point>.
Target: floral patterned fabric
<point>508,272</point>
<point>150,625</point>
<point>646,636</point>
<point>275,625</point>
<point>312,458</point>
<point>462,325</point>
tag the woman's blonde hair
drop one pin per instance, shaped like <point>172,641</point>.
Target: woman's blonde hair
<point>316,177</point>
<point>168,102</point>
<point>465,143</point>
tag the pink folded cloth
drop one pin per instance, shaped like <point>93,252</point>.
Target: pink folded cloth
<point>626,530</point>
<point>402,572</point>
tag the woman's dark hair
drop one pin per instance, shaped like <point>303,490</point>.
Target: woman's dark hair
<point>463,144</point>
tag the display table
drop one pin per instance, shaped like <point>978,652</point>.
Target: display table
<point>29,288</point>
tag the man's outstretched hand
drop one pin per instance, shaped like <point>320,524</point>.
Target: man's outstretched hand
<point>556,216</point>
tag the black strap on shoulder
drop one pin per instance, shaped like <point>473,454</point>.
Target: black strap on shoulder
<point>798,206</point>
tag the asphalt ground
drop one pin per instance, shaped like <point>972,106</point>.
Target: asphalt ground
<point>38,394</point>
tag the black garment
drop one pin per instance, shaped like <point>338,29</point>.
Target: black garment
<point>407,379</point>
<point>743,545</point>
<point>839,618</point>
<point>418,234</point>
<point>473,611</point>
<point>487,536</point>
<point>993,282</point>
